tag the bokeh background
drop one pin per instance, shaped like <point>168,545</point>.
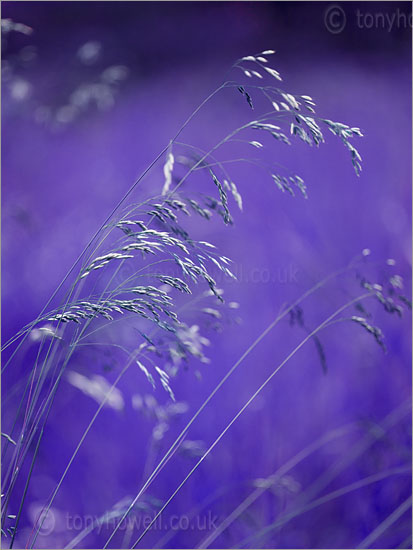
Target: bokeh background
<point>91,94</point>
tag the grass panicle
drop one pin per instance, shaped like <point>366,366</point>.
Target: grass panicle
<point>137,282</point>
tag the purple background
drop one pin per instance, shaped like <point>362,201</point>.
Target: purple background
<point>60,183</point>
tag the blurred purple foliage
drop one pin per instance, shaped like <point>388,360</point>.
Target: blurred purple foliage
<point>89,98</point>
